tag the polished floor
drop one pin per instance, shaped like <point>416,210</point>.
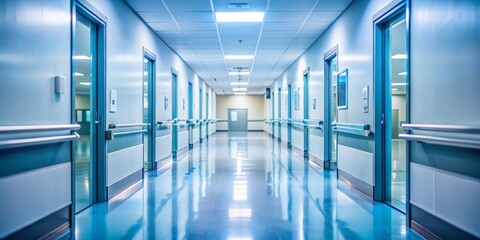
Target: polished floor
<point>242,186</point>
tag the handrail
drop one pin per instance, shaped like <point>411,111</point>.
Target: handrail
<point>129,132</point>
<point>165,123</point>
<point>23,142</point>
<point>15,143</point>
<point>38,128</point>
<point>352,128</point>
<point>127,125</point>
<point>442,128</point>
<point>455,142</point>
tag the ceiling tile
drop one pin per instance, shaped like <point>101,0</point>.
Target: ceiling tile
<point>150,16</point>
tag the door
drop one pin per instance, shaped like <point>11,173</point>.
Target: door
<point>279,114</point>
<point>85,61</point>
<point>289,113</point>
<point>237,120</point>
<point>149,111</point>
<point>306,112</point>
<point>201,114</point>
<point>190,100</point>
<point>331,110</point>
<point>206,105</point>
<point>175,126</point>
<point>395,109</point>
<point>273,114</point>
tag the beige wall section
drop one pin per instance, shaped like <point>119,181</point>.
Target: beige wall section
<point>82,101</point>
<point>254,103</point>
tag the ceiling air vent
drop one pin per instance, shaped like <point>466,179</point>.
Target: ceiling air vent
<point>238,5</point>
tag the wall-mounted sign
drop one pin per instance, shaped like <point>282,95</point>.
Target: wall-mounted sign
<point>365,99</point>
<point>342,100</point>
<point>165,102</point>
<point>296,99</point>
<point>113,101</point>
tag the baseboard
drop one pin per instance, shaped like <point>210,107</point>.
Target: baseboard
<point>432,227</point>
<point>180,152</point>
<point>356,183</point>
<point>297,150</point>
<point>122,185</point>
<point>222,130</point>
<point>257,130</point>
<point>52,226</point>
<point>317,161</point>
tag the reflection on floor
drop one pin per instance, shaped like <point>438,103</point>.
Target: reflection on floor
<point>398,196</point>
<point>82,173</point>
<point>242,186</point>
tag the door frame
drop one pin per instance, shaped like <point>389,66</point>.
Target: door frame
<point>228,117</point>
<point>306,112</point>
<point>87,11</point>
<point>200,115</point>
<point>206,110</point>
<point>279,137</point>
<point>152,99</point>
<point>175,127</point>
<point>273,113</point>
<point>327,125</point>
<point>289,115</point>
<point>392,11</point>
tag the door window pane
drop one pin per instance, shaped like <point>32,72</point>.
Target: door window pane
<point>84,78</point>
<point>396,112</point>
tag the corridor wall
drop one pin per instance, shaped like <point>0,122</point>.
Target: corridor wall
<point>35,181</point>
<point>254,103</point>
<point>352,34</point>
<point>445,181</point>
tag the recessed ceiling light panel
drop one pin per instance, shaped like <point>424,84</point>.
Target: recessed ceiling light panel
<point>239,89</point>
<point>238,57</point>
<point>239,16</point>
<point>238,73</point>
<point>239,83</point>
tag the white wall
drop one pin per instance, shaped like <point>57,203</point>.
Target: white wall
<point>254,103</point>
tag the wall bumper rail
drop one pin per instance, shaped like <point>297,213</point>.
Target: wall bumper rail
<point>110,134</point>
<point>352,128</point>
<point>453,141</point>
<point>9,140</point>
<point>313,123</point>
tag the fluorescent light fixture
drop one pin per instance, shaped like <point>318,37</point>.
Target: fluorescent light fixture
<point>399,84</point>
<point>238,73</point>
<point>81,57</point>
<point>77,74</point>
<point>239,57</point>
<point>145,60</point>
<point>85,83</point>
<point>394,89</point>
<point>239,83</point>
<point>239,93</point>
<point>402,74</point>
<point>239,16</point>
<point>239,89</point>
<point>145,73</point>
<point>399,56</point>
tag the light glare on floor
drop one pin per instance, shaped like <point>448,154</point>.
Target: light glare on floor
<point>81,57</point>
<point>240,213</point>
<point>239,16</point>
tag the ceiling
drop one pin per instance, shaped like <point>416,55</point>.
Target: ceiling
<point>288,30</point>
